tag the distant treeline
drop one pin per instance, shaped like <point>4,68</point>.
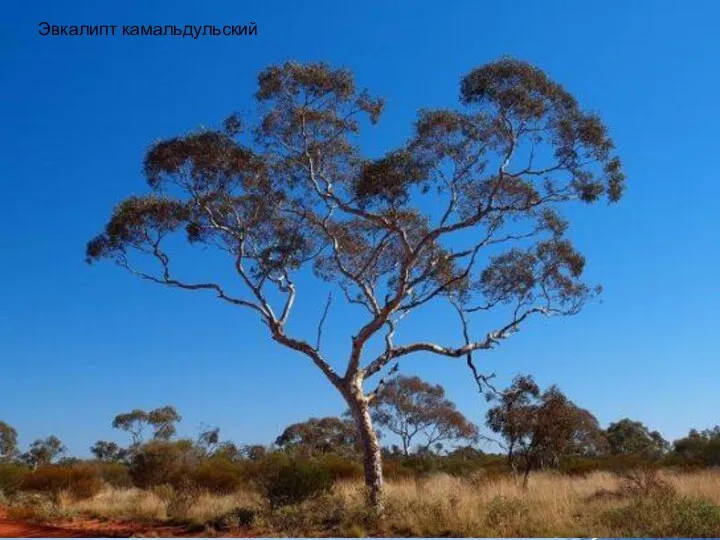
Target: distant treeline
<point>536,430</point>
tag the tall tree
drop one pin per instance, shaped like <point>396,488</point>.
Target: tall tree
<point>466,211</point>
<point>8,442</point>
<point>413,409</point>
<point>629,437</point>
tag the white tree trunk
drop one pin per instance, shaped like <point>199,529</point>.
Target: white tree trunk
<point>372,457</point>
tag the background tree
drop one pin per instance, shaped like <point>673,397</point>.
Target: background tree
<point>254,452</point>
<point>628,437</point>
<point>413,409</point>
<point>44,451</point>
<point>512,417</point>
<point>699,448</point>
<point>8,442</point>
<point>134,423</point>
<point>563,429</point>
<point>108,451</point>
<point>466,211</point>
<point>318,436</point>
<point>161,420</point>
<point>208,440</point>
<point>540,428</point>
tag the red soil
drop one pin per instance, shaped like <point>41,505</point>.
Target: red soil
<point>89,528</point>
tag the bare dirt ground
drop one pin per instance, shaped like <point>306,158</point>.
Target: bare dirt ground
<point>11,528</point>
<point>90,528</point>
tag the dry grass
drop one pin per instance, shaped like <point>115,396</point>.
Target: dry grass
<point>702,484</point>
<point>444,505</point>
<point>143,505</point>
<point>441,505</point>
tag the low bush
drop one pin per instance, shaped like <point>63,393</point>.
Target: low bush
<point>394,469</point>
<point>509,517</point>
<point>579,466</point>
<point>163,462</point>
<point>665,514</point>
<point>78,481</point>
<point>178,499</point>
<point>286,482</point>
<point>218,475</point>
<point>116,475</point>
<point>11,477</point>
<point>340,468</point>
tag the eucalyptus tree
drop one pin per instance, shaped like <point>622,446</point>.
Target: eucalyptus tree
<point>539,428</point>
<point>465,211</point>
<point>162,421</point>
<point>44,451</point>
<point>319,436</point>
<point>8,442</point>
<point>415,410</point>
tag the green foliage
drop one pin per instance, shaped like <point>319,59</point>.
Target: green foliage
<point>11,477</point>
<point>698,449</point>
<point>290,481</point>
<point>79,481</point>
<point>44,451</point>
<point>540,429</point>
<point>665,514</point>
<point>218,475</point>
<point>579,466</point>
<point>8,442</point>
<point>163,462</point>
<point>412,408</point>
<point>162,420</point>
<point>108,451</point>
<point>628,437</point>
<point>340,468</point>
<point>115,474</point>
<point>320,436</point>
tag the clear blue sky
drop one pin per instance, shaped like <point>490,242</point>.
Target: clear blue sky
<point>79,344</point>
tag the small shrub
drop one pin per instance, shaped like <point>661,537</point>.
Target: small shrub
<point>395,470</point>
<point>579,467</point>
<point>178,507</point>
<point>293,482</point>
<point>219,475</point>
<point>78,481</point>
<point>11,477</point>
<point>508,516</point>
<point>163,462</point>
<point>178,500</point>
<point>341,468</point>
<point>115,474</point>
<point>421,464</point>
<point>643,481</point>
